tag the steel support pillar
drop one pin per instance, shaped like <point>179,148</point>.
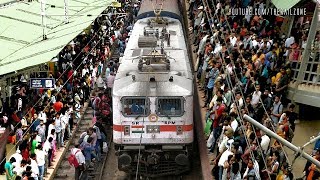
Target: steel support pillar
<point>291,20</point>
<point>307,50</point>
<point>66,11</point>
<point>281,140</point>
<point>43,21</point>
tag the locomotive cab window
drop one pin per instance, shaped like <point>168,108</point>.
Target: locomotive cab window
<point>135,106</point>
<point>170,106</point>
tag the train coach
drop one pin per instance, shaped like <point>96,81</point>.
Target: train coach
<point>153,95</point>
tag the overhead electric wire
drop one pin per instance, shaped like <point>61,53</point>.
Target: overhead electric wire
<point>48,104</point>
<point>260,100</point>
<point>241,74</point>
<point>143,120</point>
<point>234,100</point>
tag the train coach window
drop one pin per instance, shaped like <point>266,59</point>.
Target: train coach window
<point>170,106</point>
<point>135,106</point>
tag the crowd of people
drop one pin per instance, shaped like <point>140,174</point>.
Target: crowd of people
<point>41,121</point>
<point>242,68</point>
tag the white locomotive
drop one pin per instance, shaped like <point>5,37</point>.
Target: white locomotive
<point>153,95</point>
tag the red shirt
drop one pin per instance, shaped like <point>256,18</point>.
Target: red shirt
<point>70,74</point>
<point>219,110</point>
<point>57,106</point>
<point>15,117</point>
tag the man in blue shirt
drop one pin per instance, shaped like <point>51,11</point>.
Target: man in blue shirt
<point>35,123</point>
<point>213,74</point>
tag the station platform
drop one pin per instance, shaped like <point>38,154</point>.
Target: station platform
<point>58,154</point>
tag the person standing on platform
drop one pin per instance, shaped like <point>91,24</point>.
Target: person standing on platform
<point>40,158</point>
<point>58,128</point>
<point>9,168</point>
<point>110,81</point>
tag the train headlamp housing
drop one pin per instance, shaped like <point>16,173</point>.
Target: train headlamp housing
<point>153,129</point>
<point>179,130</point>
<point>126,130</point>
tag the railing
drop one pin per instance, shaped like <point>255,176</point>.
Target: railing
<point>312,73</point>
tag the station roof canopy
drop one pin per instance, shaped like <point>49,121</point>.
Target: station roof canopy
<point>21,30</point>
<point>285,5</point>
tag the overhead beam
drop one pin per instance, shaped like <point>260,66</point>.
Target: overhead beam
<point>282,140</point>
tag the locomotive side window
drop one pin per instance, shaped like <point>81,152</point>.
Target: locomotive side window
<point>134,106</point>
<point>169,106</point>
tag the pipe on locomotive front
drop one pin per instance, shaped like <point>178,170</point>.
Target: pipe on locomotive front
<point>170,8</point>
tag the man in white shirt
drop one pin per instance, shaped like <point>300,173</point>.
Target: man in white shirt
<point>42,116</point>
<point>40,156</point>
<point>233,39</point>
<point>202,44</point>
<point>239,100</point>
<point>254,42</point>
<point>21,168</point>
<point>80,170</point>
<point>58,130</point>
<point>41,128</point>
<point>65,124</point>
<point>289,41</point>
<point>256,96</point>
<point>213,101</point>
<point>85,70</point>
<point>34,166</point>
<point>110,81</point>
<point>265,43</point>
<point>19,104</point>
<point>198,17</point>
<point>230,68</point>
<point>265,142</point>
<point>17,155</point>
<point>231,150</point>
<point>233,122</point>
<point>47,148</point>
<point>252,170</point>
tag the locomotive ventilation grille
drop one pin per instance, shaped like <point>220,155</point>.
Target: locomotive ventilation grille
<point>162,169</point>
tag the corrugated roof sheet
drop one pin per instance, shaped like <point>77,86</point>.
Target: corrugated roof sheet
<point>21,43</point>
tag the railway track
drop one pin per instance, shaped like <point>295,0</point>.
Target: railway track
<point>67,172</point>
<point>111,171</point>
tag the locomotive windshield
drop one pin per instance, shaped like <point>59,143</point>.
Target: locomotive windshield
<point>134,106</point>
<point>170,106</point>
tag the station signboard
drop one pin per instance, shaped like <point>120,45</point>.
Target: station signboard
<point>45,83</point>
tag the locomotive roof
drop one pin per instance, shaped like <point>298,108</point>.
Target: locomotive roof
<point>180,68</point>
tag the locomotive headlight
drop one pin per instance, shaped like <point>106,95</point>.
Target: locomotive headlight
<point>153,129</point>
<point>179,130</point>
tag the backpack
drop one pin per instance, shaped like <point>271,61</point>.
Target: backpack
<point>73,160</point>
<point>279,108</point>
<point>290,134</point>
